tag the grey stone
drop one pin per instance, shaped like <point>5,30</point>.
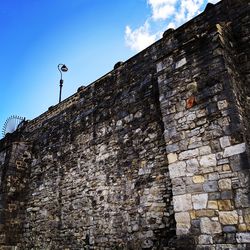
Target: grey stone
<point>180,63</point>
<point>177,169</point>
<point>234,150</point>
<point>225,141</point>
<point>172,148</point>
<point>183,223</point>
<point>226,195</point>
<point>210,227</point>
<point>208,161</point>
<point>182,202</point>
<point>229,229</point>
<point>210,186</point>
<point>188,154</point>
<point>205,150</point>
<point>199,201</point>
<point>192,166</point>
<point>243,237</point>
<point>205,239</point>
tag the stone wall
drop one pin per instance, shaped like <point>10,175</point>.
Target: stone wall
<point>201,90</point>
<point>153,155</point>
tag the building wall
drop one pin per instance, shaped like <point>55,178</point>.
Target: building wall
<point>204,112</point>
<point>153,155</point>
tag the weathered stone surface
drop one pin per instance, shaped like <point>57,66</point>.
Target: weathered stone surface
<point>182,202</point>
<point>234,150</point>
<point>180,63</point>
<point>228,217</point>
<point>205,239</point>
<point>205,213</point>
<point>225,205</point>
<point>225,184</point>
<point>192,166</point>
<point>172,158</point>
<point>199,201</point>
<point>243,237</point>
<point>210,186</point>
<point>222,104</point>
<point>183,223</point>
<point>212,205</point>
<point>163,136</point>
<point>188,154</point>
<point>198,179</point>
<point>208,161</point>
<point>177,169</point>
<point>229,229</point>
<point>225,141</point>
<point>210,227</point>
<point>205,150</point>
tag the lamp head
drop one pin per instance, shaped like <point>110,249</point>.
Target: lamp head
<point>64,68</point>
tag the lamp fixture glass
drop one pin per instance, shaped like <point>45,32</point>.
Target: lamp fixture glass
<point>64,68</point>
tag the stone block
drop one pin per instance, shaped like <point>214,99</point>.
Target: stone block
<point>225,184</point>
<point>208,161</point>
<point>199,201</point>
<point>201,113</point>
<point>227,195</point>
<point>228,217</point>
<point>180,63</point>
<point>213,177</point>
<point>194,188</point>
<point>205,150</point>
<point>214,196</point>
<point>191,116</point>
<point>225,205</point>
<point>172,148</point>
<point>198,179</point>
<point>229,229</point>
<point>188,154</point>
<point>205,213</point>
<point>183,223</point>
<point>172,157</point>
<point>212,205</point>
<point>192,166</point>
<point>241,198</point>
<point>182,202</point>
<point>234,150</point>
<point>210,227</point>
<point>210,186</point>
<point>243,237</point>
<point>177,169</point>
<point>225,141</point>
<point>242,227</point>
<point>159,66</point>
<point>222,104</point>
<point>205,239</point>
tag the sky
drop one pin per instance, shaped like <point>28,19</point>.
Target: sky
<point>89,36</point>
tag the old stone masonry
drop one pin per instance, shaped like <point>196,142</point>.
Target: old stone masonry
<point>153,155</point>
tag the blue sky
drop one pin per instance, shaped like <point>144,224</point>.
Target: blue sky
<point>89,36</point>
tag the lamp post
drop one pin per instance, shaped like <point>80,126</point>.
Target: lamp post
<point>62,68</point>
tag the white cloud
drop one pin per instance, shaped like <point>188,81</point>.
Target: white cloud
<point>162,9</point>
<point>172,12</point>
<point>213,1</point>
<point>187,10</point>
<point>171,26</point>
<point>140,38</point>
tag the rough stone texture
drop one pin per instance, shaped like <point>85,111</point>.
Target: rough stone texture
<point>199,201</point>
<point>153,155</point>
<point>214,124</point>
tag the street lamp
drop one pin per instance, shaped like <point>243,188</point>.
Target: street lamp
<point>62,68</point>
